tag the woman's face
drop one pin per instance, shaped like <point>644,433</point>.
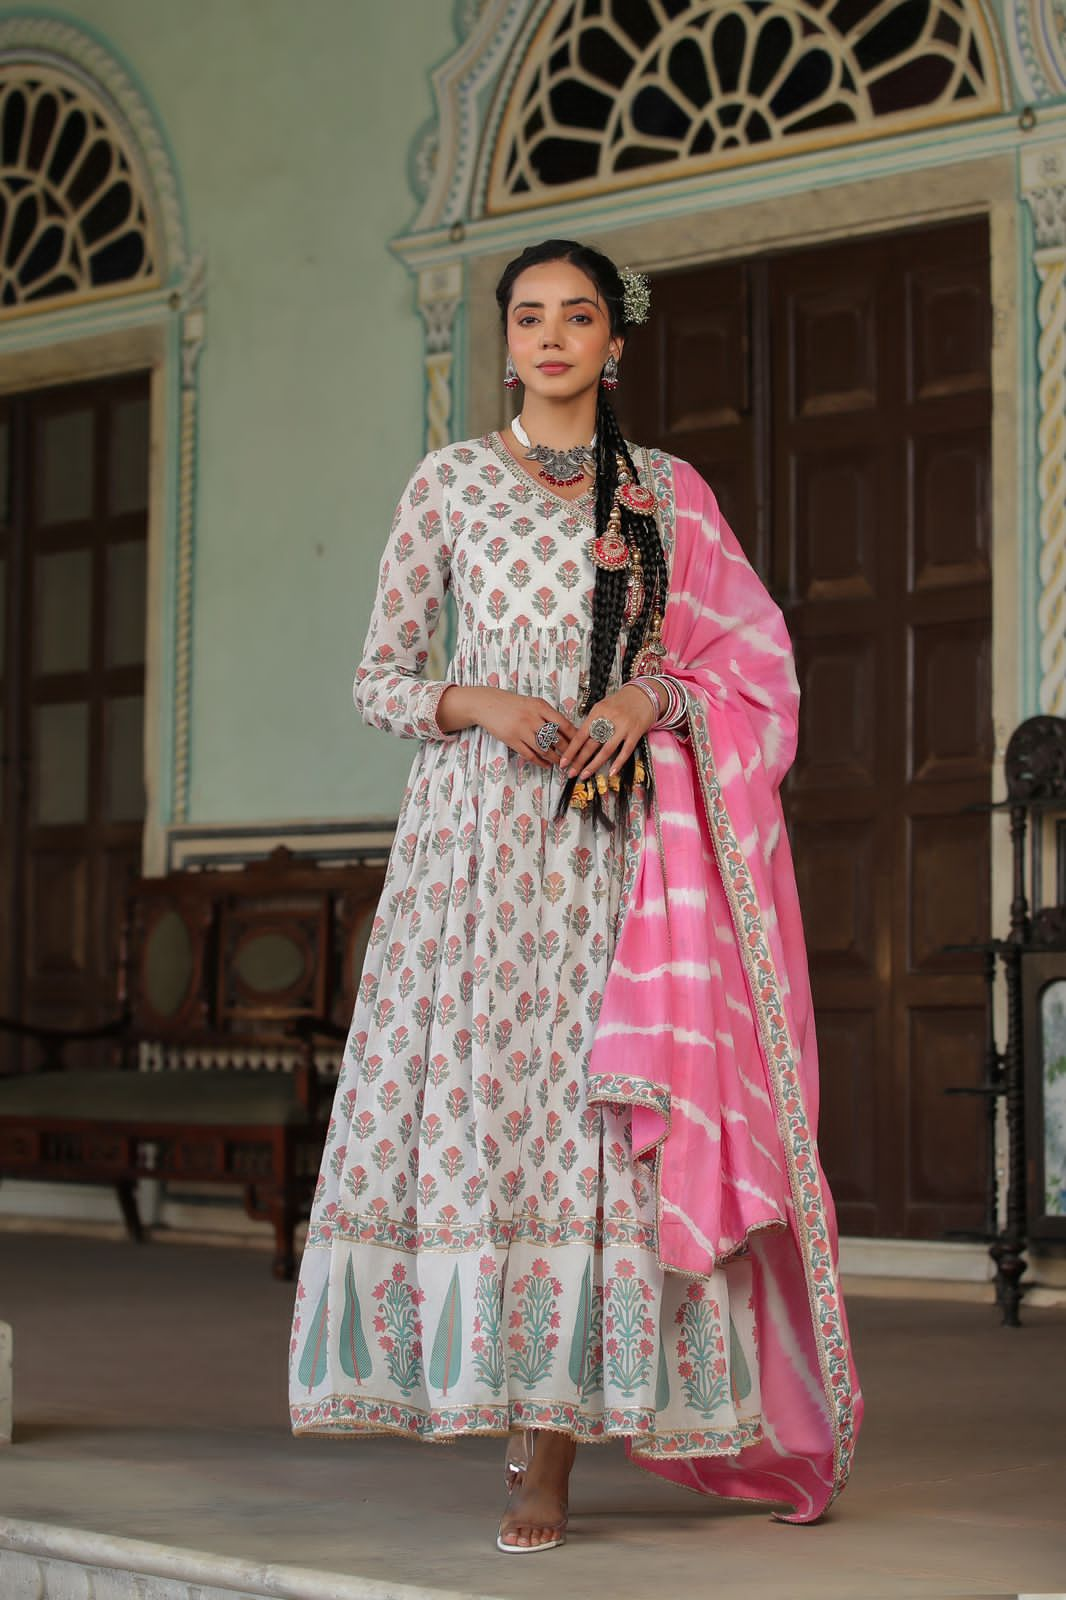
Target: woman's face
<point>558,330</point>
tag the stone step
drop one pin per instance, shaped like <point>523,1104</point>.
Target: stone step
<point>43,1561</point>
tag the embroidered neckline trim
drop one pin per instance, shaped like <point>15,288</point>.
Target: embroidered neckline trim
<point>582,506</point>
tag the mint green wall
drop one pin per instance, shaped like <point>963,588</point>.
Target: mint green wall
<point>290,126</point>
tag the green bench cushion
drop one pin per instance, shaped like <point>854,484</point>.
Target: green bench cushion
<point>219,1096</point>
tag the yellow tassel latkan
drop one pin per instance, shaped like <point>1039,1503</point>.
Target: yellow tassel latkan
<point>584,789</point>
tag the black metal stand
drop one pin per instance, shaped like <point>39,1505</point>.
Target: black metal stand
<point>1035,770</point>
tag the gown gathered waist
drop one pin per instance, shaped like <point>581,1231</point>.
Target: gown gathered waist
<point>481,1252</point>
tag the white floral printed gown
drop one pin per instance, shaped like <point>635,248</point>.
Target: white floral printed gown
<point>481,1249</point>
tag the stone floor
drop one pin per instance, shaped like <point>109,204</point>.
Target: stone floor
<point>150,1404</point>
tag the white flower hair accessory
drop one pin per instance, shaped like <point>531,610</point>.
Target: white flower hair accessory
<point>636,297</point>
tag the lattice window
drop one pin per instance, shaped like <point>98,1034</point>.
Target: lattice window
<point>73,216</point>
<point>615,92</point>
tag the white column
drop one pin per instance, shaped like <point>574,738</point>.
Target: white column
<point>7,1384</point>
<point>193,331</point>
<point>1044,188</point>
<point>440,290</point>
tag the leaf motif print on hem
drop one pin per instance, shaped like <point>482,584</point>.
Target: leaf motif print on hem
<point>445,1363</point>
<point>662,1382</point>
<point>534,1322</point>
<point>312,1368</point>
<point>579,1342</point>
<point>629,1330</point>
<point>739,1371</point>
<point>354,1354</point>
<point>399,1328</point>
<point>586,1341</point>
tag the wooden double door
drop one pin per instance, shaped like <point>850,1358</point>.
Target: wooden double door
<point>837,399</point>
<point>73,540</point>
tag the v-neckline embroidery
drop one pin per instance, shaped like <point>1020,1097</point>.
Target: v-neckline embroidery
<point>579,504</point>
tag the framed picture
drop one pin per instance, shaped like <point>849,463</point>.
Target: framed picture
<point>1044,1047</point>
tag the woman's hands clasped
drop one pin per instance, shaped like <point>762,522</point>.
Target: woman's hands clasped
<point>632,713</point>
<point>518,718</point>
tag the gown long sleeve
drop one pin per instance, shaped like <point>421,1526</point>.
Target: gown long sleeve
<point>390,689</point>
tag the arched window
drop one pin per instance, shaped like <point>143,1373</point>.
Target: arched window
<point>616,92</point>
<point>74,217</point>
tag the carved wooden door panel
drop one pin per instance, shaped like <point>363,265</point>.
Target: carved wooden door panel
<point>73,522</point>
<point>866,450</point>
<point>690,387</point>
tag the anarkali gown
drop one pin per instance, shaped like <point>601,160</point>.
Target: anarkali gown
<point>571,1179</point>
<point>481,1251</point>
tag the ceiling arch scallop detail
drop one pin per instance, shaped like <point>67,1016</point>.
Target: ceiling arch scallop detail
<point>607,94</point>
<point>89,207</point>
<point>1036,38</point>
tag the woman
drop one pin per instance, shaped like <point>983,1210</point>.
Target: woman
<point>570,1188</point>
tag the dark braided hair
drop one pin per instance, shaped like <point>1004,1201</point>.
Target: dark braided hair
<point>640,532</point>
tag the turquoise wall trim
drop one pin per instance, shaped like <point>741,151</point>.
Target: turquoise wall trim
<point>460,389</point>
<point>171,474</point>
<point>779,178</point>
<point>44,330</point>
<point>78,47</point>
<point>1035,36</point>
<point>459,367</point>
<point>1028,523</point>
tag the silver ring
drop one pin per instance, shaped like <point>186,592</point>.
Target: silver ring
<point>601,729</point>
<point>547,735</point>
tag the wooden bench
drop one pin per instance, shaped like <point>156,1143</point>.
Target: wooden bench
<point>232,982</point>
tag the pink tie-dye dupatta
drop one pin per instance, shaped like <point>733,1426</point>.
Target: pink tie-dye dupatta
<point>706,1025</point>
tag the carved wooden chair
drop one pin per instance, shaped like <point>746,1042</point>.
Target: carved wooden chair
<point>233,984</point>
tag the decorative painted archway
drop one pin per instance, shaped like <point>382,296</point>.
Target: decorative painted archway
<point>96,276</point>
<point>585,116</point>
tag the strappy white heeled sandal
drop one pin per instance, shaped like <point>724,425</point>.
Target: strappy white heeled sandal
<point>518,1459</point>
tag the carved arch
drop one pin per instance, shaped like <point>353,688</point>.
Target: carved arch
<point>145,302</point>
<point>604,95</point>
<point>89,204</point>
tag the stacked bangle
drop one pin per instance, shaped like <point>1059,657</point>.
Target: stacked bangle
<point>676,710</point>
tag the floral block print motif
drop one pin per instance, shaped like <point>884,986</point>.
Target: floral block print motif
<point>534,1323</point>
<point>629,1329</point>
<point>486,1344</point>
<point>399,1326</point>
<point>703,1368</point>
<point>481,1249</point>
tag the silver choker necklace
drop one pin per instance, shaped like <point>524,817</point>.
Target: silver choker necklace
<point>562,468</point>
